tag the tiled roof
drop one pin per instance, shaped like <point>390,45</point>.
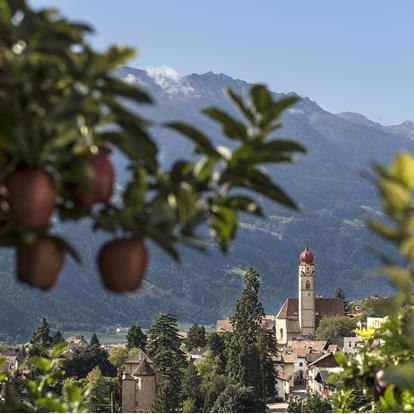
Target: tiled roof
<point>315,345</point>
<point>325,361</point>
<point>224,325</point>
<point>301,352</point>
<point>324,307</point>
<point>138,357</point>
<point>144,368</point>
<point>313,357</point>
<point>282,376</point>
<point>289,358</point>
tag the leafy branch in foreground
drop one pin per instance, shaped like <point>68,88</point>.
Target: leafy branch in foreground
<point>381,377</point>
<point>63,111</point>
<point>40,377</point>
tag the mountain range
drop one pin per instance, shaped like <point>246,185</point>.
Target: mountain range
<point>328,183</point>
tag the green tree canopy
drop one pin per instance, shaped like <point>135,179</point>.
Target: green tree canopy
<point>197,337</point>
<point>136,338</point>
<point>238,399</point>
<point>85,359</point>
<point>191,387</point>
<point>57,338</point>
<point>336,327</point>
<point>340,294</point>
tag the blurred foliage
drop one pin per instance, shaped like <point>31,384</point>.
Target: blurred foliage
<point>60,103</point>
<point>380,378</point>
<point>39,385</point>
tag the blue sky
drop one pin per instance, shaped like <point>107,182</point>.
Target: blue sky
<point>346,55</point>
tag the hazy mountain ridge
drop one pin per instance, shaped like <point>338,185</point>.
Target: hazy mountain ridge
<point>326,183</point>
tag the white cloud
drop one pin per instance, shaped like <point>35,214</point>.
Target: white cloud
<point>169,80</point>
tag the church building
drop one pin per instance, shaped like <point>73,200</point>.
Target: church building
<point>299,317</point>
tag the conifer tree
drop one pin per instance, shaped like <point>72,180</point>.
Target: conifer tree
<point>163,347</point>
<point>197,337</point>
<point>99,392</point>
<point>136,338</point>
<point>57,338</point>
<point>190,386</point>
<point>244,361</point>
<point>216,345</point>
<point>267,348</point>
<point>94,340</point>
<point>41,335</point>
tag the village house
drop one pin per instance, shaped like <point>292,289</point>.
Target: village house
<point>9,362</point>
<point>282,384</point>
<point>319,371</point>
<point>76,342</point>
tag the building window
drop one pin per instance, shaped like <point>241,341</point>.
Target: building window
<point>301,364</point>
<point>276,382</point>
<point>308,284</point>
<point>349,344</point>
<point>281,332</point>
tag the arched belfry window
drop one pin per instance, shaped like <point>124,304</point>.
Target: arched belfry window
<point>308,284</point>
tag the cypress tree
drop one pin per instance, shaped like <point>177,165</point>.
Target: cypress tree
<point>94,340</point>
<point>163,347</point>
<point>136,338</point>
<point>244,358</point>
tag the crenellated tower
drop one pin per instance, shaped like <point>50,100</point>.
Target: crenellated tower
<point>306,305</point>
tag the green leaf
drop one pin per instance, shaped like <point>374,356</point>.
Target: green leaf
<point>204,168</point>
<point>186,202</point>
<point>51,405</point>
<point>126,90</point>
<point>232,128</point>
<point>384,231</point>
<point>402,169</point>
<point>43,364</point>
<point>259,182</point>
<point>67,247</point>
<point>407,248</point>
<point>401,375</point>
<point>58,350</point>
<point>73,393</point>
<point>243,203</point>
<point>223,224</point>
<point>261,98</point>
<point>196,136</point>
<point>238,102</point>
<point>396,196</point>
<point>400,277</point>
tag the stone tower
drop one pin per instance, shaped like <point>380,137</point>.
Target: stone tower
<point>139,388</point>
<point>306,305</point>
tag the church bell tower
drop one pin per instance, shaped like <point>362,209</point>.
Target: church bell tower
<point>306,298</point>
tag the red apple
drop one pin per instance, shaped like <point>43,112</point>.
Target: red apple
<point>122,264</point>
<point>102,184</point>
<point>39,264</point>
<point>31,196</point>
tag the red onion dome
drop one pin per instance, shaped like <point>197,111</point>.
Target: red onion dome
<point>306,257</point>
